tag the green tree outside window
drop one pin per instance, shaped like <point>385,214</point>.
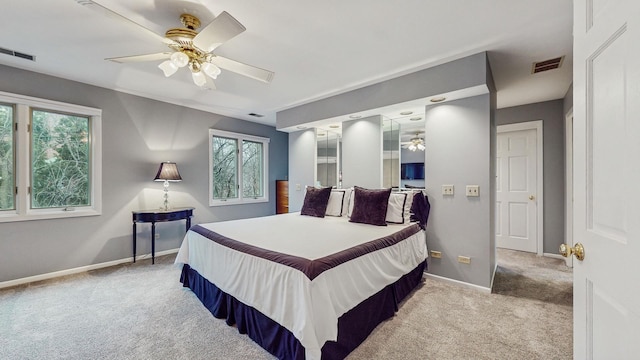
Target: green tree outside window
<point>60,160</point>
<point>225,168</point>
<point>7,180</point>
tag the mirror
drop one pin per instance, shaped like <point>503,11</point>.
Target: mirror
<point>390,153</point>
<point>402,151</point>
<point>412,152</point>
<point>327,158</point>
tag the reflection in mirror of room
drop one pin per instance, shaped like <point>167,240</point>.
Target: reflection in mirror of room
<point>390,153</point>
<point>327,158</point>
<point>402,152</point>
<point>412,168</point>
<point>411,172</point>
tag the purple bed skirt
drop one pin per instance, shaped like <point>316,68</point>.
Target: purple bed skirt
<point>353,327</point>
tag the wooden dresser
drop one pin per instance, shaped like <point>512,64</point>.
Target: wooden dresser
<point>282,196</point>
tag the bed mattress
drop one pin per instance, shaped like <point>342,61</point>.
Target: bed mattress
<point>303,272</point>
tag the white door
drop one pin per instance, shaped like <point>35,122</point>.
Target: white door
<point>606,176</point>
<point>568,181</point>
<point>516,188</point>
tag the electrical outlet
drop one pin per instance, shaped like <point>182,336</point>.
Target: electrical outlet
<point>436,254</point>
<point>464,259</point>
<point>447,189</point>
<point>298,187</point>
<point>157,236</point>
<point>473,190</point>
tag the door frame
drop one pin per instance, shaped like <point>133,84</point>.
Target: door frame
<point>537,126</point>
<point>568,183</point>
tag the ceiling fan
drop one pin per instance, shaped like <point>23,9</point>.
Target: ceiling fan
<point>193,49</point>
<point>415,143</point>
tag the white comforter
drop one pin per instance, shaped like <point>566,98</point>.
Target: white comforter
<point>308,308</point>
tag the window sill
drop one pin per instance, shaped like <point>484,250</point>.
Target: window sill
<point>237,202</point>
<point>48,214</point>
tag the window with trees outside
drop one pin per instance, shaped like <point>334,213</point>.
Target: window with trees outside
<point>238,168</point>
<point>50,159</point>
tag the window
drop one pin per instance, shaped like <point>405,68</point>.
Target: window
<point>50,159</point>
<point>238,168</point>
<point>7,178</point>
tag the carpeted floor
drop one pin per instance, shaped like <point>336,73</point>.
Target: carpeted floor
<point>140,311</point>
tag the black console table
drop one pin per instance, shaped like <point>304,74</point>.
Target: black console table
<point>154,216</point>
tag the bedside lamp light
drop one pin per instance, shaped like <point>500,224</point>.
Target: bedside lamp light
<point>168,171</point>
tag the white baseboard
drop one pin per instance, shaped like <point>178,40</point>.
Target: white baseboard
<point>460,283</point>
<point>555,256</point>
<point>55,274</point>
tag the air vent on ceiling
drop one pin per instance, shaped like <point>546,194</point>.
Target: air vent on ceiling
<point>17,54</point>
<point>547,65</point>
<point>256,115</point>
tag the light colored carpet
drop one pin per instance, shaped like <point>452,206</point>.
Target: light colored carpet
<point>517,321</point>
<point>140,311</point>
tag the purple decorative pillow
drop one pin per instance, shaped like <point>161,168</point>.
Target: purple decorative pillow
<point>370,206</point>
<point>315,201</point>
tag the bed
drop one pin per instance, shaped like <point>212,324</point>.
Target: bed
<point>303,287</point>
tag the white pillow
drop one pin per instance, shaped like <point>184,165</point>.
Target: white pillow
<point>336,203</point>
<point>407,206</point>
<point>396,208</point>
<point>348,202</point>
<point>352,195</point>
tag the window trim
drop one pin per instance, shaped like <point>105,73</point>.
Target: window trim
<point>22,155</point>
<point>265,174</point>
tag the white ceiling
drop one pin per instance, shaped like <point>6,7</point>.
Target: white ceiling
<point>316,48</point>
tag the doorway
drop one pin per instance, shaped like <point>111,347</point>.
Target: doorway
<point>519,187</point>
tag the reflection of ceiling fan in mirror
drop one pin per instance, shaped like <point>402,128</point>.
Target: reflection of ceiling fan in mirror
<point>193,49</point>
<point>415,143</point>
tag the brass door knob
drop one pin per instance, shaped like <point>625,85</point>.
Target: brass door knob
<point>577,250</point>
<point>531,197</point>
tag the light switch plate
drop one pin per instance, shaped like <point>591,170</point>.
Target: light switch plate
<point>473,190</point>
<point>447,189</point>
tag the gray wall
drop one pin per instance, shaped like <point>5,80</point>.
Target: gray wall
<point>138,134</point>
<point>567,102</point>
<point>458,149</point>
<point>493,142</point>
<point>302,166</point>
<point>362,153</point>
<point>468,72</point>
<point>462,227</point>
<point>552,116</point>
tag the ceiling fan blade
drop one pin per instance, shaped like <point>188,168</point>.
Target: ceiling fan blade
<point>105,10</point>
<point>140,58</point>
<point>243,69</point>
<point>221,29</point>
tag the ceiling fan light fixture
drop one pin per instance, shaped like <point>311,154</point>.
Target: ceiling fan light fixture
<point>168,67</point>
<point>211,70</point>
<point>198,78</point>
<point>179,59</point>
<point>416,143</point>
<point>191,48</point>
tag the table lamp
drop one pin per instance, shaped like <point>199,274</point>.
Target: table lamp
<point>168,171</point>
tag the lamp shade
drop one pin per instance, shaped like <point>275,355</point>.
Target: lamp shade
<point>168,171</point>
